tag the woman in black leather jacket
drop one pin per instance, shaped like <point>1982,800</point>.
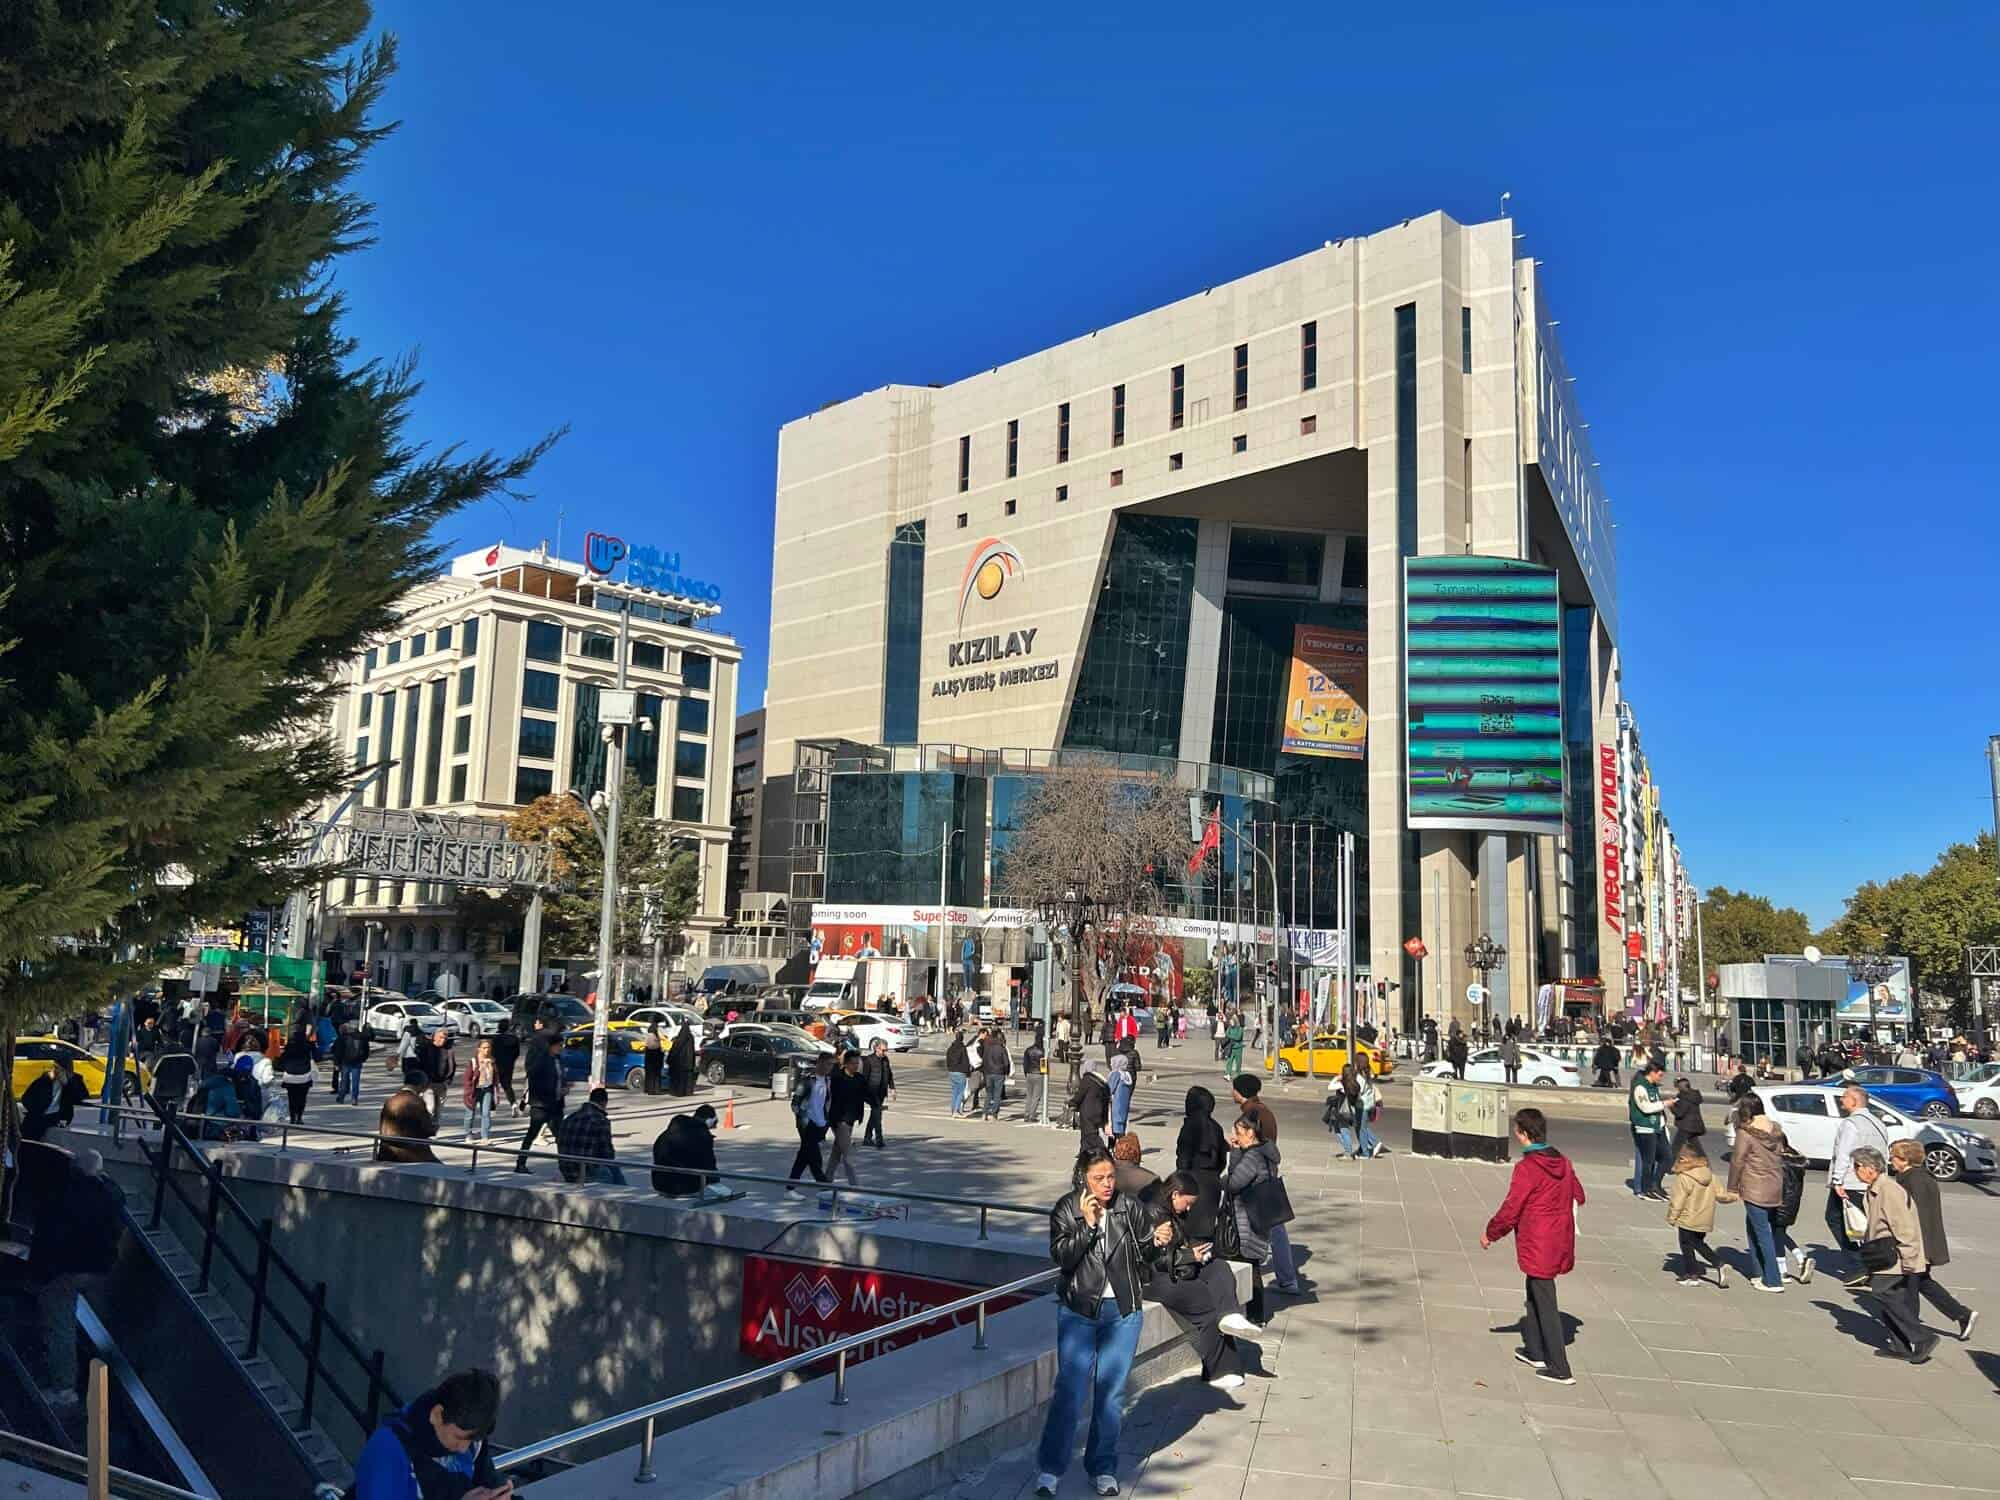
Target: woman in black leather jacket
<point>1103,1246</point>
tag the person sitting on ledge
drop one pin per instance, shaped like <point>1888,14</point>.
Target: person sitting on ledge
<point>682,1153</point>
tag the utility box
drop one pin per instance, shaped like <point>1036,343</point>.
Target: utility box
<point>1480,1121</point>
<point>1430,1116</point>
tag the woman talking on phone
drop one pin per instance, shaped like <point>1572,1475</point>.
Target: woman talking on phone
<point>1102,1248</point>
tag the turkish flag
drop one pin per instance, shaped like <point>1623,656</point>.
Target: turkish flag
<point>1211,838</point>
<point>493,557</point>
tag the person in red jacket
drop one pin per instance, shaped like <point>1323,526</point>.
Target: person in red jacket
<point>1540,1212</point>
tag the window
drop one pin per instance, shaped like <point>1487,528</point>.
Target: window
<point>444,638</point>
<point>1290,559</point>
<point>1173,461</point>
<point>690,758</point>
<point>1465,339</point>
<point>531,782</point>
<point>1308,425</point>
<point>1062,433</point>
<point>417,644</point>
<point>539,689</point>
<point>1242,397</point>
<point>464,686</point>
<point>368,664</point>
<point>1178,395</point>
<point>538,739</point>
<point>693,716</point>
<point>545,641</point>
<point>598,646</point>
<point>1239,443</point>
<point>434,749</point>
<point>1800,1104</point>
<point>388,742</point>
<point>1118,416</point>
<point>1128,687</point>
<point>361,751</point>
<point>649,655</point>
<point>367,708</point>
<point>689,802</point>
<point>469,639</point>
<point>642,747</point>
<point>587,748</point>
<point>408,754</point>
<point>961,520</point>
<point>695,668</point>
<point>1117,478</point>
<point>461,735</point>
<point>1009,507</point>
<point>395,652</point>
<point>965,463</point>
<point>1406,439</point>
<point>1013,448</point>
<point>1308,356</point>
<point>1062,493</point>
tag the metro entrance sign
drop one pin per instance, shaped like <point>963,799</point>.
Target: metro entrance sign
<point>790,1306</point>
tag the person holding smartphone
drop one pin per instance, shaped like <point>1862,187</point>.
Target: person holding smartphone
<point>437,1447</point>
<point>1190,1279</point>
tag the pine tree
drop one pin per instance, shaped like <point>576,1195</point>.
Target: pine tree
<point>207,501</point>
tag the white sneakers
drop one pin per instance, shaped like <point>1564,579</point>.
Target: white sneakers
<point>1721,1275</point>
<point>1045,1484</point>
<point>1240,1326</point>
<point>1804,1273</point>
<point>1105,1484</point>
<point>1226,1382</point>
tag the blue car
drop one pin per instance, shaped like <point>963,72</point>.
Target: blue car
<point>1915,1091</point>
<point>624,1063</point>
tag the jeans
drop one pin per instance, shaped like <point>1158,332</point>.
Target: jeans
<point>613,1175</point>
<point>1121,1109</point>
<point>1836,1221</point>
<point>810,1135</point>
<point>1764,1256</point>
<point>873,1133</point>
<point>347,1083</point>
<point>1649,1161</point>
<point>482,1111</point>
<point>1085,1347</point>
<point>1357,1139</point>
<point>1542,1329</point>
<point>957,1092</point>
<point>1284,1273</point>
<point>996,1091</point>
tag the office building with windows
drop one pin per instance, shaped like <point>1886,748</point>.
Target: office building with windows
<point>486,697</point>
<point>1182,540</point>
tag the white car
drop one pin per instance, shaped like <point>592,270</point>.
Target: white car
<point>385,1022</point>
<point>1810,1115</point>
<point>869,1027</point>
<point>1979,1095</point>
<point>1542,1070</point>
<point>670,1018</point>
<point>476,1017</point>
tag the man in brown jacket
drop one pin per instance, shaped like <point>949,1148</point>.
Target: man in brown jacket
<point>1906,1160</point>
<point>1893,1217</point>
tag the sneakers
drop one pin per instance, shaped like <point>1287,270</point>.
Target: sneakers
<point>1965,1328</point>
<point>1554,1379</point>
<point>1860,1281</point>
<point>1805,1268</point>
<point>1765,1286</point>
<point>1223,1383</point>
<point>1533,1364</point>
<point>1242,1327</point>
<point>1921,1355</point>
<point>1045,1484</point>
<point>1722,1275</point>
<point>1105,1484</point>
<point>1689,1281</point>
<point>1379,1149</point>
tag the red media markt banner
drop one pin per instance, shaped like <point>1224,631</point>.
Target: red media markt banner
<point>791,1306</point>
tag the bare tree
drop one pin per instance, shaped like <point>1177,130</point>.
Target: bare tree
<point>1100,854</point>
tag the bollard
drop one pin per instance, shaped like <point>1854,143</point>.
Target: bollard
<point>646,1474</point>
<point>979,1327</point>
<point>840,1378</point>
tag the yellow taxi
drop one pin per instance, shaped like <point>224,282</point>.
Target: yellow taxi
<point>1327,1056</point>
<point>35,1055</point>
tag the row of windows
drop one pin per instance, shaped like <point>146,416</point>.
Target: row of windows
<point>392,653</point>
<point>538,742</point>
<point>1240,443</point>
<point>687,805</point>
<point>545,643</point>
<point>543,690</point>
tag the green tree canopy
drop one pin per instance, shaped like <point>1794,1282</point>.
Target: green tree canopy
<point>207,501</point>
<point>1739,928</point>
<point>1929,917</point>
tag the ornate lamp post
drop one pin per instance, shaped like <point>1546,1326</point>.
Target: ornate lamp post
<point>1071,918</point>
<point>1484,955</point>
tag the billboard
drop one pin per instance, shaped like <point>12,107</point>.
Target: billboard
<point>791,1306</point>
<point>1326,702</point>
<point>1482,662</point>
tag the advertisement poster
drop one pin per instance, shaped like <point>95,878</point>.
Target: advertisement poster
<point>1326,702</point>
<point>791,1306</point>
<point>854,940</point>
<point>1483,747</point>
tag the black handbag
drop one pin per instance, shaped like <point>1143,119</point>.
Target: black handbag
<point>1228,1241</point>
<point>1880,1255</point>
<point>1266,1204</point>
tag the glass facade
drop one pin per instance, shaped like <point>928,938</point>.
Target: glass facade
<point>531,782</point>
<point>1128,689</point>
<point>539,689</point>
<point>884,831</point>
<point>642,744</point>
<point>692,716</point>
<point>434,759</point>
<point>690,803</point>
<point>1406,540</point>
<point>903,635</point>
<point>690,758</point>
<point>538,738</point>
<point>544,642</point>
<point>695,668</point>
<point>586,767</point>
<point>1579,722</point>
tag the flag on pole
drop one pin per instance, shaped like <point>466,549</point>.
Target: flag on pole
<point>1211,838</point>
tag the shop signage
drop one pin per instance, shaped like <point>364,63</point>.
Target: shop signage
<point>1607,806</point>
<point>792,1306</point>
<point>645,567</point>
<point>981,648</point>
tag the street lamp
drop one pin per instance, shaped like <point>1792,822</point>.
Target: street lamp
<point>1069,919</point>
<point>1870,968</point>
<point>1485,955</point>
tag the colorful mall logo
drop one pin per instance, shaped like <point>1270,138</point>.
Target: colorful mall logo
<point>1607,807</point>
<point>992,563</point>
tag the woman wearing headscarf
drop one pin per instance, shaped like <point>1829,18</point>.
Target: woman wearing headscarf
<point>1121,1092</point>
<point>295,1072</point>
<point>655,1051</point>
<point>680,1062</point>
<point>1202,1153</point>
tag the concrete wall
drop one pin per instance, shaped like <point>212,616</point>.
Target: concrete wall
<point>585,1301</point>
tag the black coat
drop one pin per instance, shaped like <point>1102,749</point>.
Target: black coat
<point>1923,1191</point>
<point>1200,1146</point>
<point>40,1098</point>
<point>1092,1101</point>
<point>684,1143</point>
<point>993,1059</point>
<point>1124,1227</point>
<point>878,1076</point>
<point>955,1060</point>
<point>506,1050</point>
<point>544,1081</point>
<point>1686,1107</point>
<point>847,1098</point>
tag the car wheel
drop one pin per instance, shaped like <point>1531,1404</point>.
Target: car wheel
<point>1945,1164</point>
<point>635,1079</point>
<point>716,1075</point>
<point>1545,1083</point>
<point>1937,1109</point>
<point>1986,1109</point>
<point>1284,1068</point>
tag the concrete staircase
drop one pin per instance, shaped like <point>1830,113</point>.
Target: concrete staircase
<point>333,1468</point>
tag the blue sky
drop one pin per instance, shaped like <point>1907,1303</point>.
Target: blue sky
<point>1768,232</point>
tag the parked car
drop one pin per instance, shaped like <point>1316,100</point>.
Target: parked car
<point>812,1022</point>
<point>751,1054</point>
<point>1914,1091</point>
<point>385,1021</point>
<point>624,1059</point>
<point>565,1010</point>
<point>777,1028</point>
<point>36,1055</point>
<point>1980,1096</point>
<point>669,1017</point>
<point>476,1017</point>
<point>1327,1056</point>
<point>1810,1114</point>
<point>867,1027</point>
<point>1542,1069</point>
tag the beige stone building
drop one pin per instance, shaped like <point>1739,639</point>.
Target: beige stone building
<point>1122,543</point>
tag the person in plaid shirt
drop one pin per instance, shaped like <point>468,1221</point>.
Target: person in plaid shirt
<point>587,1133</point>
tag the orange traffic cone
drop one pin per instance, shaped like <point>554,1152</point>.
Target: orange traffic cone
<point>729,1113</point>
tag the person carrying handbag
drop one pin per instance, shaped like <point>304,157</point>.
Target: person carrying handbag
<point>1350,1105</point>
<point>1252,1192</point>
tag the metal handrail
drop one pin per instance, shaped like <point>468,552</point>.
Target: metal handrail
<point>837,1351</point>
<point>641,1164</point>
<point>76,1466</point>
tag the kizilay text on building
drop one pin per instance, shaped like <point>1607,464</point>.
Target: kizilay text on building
<point>992,648</point>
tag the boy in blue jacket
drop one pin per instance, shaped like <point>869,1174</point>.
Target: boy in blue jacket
<point>435,1448</point>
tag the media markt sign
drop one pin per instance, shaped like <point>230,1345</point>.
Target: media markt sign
<point>1004,654</point>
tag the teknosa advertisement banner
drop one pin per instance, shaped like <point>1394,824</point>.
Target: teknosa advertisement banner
<point>1326,700</point>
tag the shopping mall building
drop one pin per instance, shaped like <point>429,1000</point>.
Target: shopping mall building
<point>1326,545</point>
